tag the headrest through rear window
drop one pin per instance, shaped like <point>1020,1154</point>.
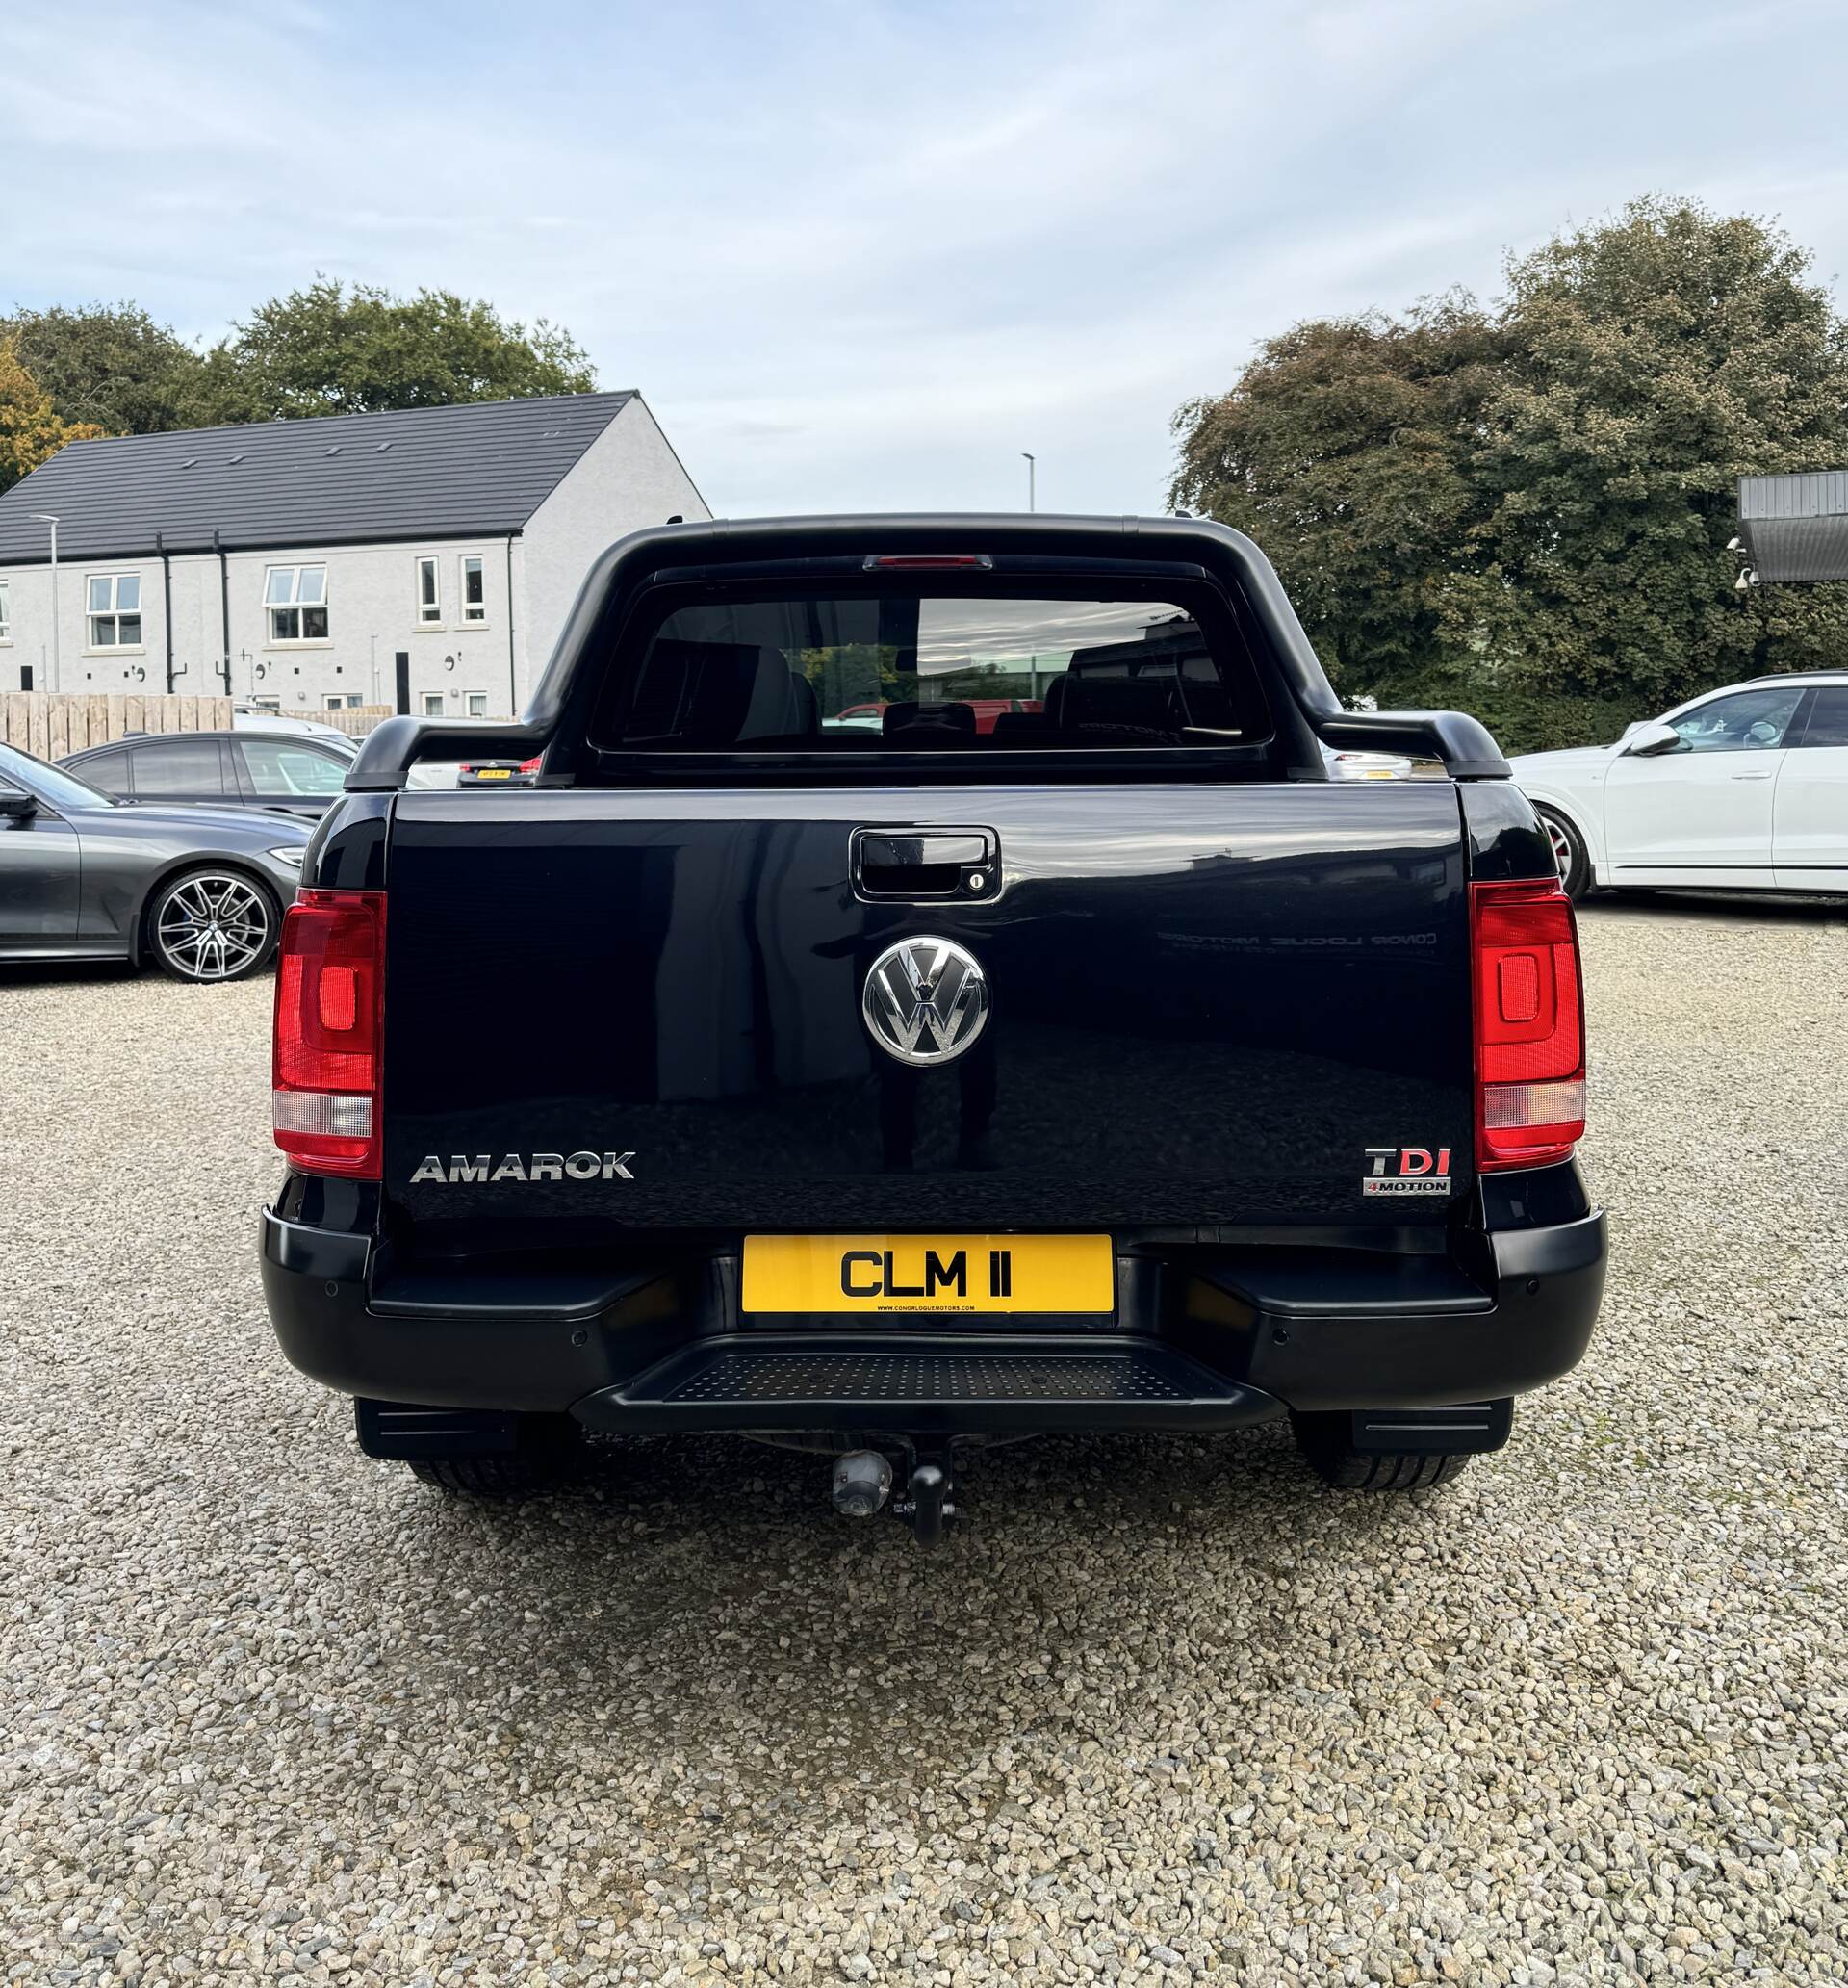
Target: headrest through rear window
<point>709,695</point>
<point>1150,708</point>
<point>928,724</point>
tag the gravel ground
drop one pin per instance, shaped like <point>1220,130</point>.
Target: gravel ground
<point>1164,1711</point>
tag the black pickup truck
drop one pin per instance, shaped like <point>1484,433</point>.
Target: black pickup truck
<point>800,1057</point>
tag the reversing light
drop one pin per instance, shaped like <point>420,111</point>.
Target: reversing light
<point>1529,1024</point>
<point>329,1028</point>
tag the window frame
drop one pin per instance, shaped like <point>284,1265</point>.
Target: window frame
<point>1811,712</point>
<point>5,613</point>
<point>307,747</point>
<point>471,619</point>
<point>433,697</point>
<point>114,613</point>
<point>1739,693</point>
<point>1221,614</point>
<point>427,614</point>
<point>169,746</point>
<point>117,748</point>
<point>297,607</point>
<point>469,702</point>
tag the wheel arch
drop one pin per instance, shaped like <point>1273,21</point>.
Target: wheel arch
<point>177,866</point>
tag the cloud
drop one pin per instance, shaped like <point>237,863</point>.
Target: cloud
<point>862,254</point>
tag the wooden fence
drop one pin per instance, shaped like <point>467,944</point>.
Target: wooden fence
<point>355,720</point>
<point>49,724</point>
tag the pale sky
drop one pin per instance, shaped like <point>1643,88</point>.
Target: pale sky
<point>860,255</point>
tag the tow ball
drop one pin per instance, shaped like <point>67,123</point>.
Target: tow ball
<point>862,1481</point>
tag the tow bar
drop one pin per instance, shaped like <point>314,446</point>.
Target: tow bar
<point>863,1479</point>
<point>926,1506</point>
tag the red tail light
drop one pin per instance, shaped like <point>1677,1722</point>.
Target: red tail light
<point>330,1019</point>
<point>1529,1024</point>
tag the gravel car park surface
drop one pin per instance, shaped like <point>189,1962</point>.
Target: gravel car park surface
<point>1163,1710</point>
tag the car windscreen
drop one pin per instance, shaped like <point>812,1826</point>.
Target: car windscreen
<point>889,672</point>
<point>55,786</point>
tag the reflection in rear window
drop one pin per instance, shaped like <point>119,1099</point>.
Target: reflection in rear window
<point>909,673</point>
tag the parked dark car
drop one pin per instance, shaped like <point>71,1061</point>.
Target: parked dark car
<point>497,772</point>
<point>892,1093</point>
<point>84,875</point>
<point>245,768</point>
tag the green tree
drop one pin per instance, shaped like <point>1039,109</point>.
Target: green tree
<point>31,431</point>
<point>1524,511</point>
<point>1655,359</point>
<point>1344,451</point>
<point>110,364</point>
<point>331,349</point>
<point>324,349</point>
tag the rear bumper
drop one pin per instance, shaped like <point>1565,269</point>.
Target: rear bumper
<point>1205,1338</point>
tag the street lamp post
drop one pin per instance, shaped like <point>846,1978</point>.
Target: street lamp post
<point>1030,471</point>
<point>57,667</point>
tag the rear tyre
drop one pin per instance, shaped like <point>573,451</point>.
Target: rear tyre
<point>1568,853</point>
<point>1322,1442</point>
<point>493,1477</point>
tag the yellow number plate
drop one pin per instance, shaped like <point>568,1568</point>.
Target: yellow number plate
<point>494,772</point>
<point>929,1273</point>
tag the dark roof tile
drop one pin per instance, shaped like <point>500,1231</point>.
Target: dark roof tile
<point>484,466</point>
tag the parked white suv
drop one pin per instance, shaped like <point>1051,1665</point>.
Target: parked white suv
<point>1744,789</point>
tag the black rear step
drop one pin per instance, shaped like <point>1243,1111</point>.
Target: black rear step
<point>914,1385</point>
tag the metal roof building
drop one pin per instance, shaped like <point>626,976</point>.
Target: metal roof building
<point>1795,528</point>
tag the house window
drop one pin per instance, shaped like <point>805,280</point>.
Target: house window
<point>297,598</point>
<point>340,701</point>
<point>5,613</point>
<point>114,610</point>
<point>475,591</point>
<point>432,704</point>
<point>477,704</point>
<point>429,597</point>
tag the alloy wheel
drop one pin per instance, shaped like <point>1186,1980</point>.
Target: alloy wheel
<point>1562,851</point>
<point>213,925</point>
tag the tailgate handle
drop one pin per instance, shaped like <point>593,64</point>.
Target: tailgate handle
<point>903,852</point>
<point>918,862</point>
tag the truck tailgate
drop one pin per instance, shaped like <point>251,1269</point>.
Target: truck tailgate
<point>1211,1004</point>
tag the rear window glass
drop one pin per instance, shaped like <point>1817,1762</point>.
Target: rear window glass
<point>188,766</point>
<point>906,673</point>
<point>107,770</point>
<point>291,770</point>
<point>1828,719</point>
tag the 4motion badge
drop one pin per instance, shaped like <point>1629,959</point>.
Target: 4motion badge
<point>1407,1170</point>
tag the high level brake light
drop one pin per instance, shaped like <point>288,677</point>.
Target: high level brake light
<point>330,1018</point>
<point>924,563</point>
<point>1529,1024</point>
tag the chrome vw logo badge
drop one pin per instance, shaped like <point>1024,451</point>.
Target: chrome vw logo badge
<point>925,1001</point>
